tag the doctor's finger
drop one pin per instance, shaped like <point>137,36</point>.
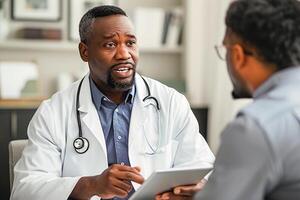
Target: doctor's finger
<point>129,176</point>
<point>158,197</point>
<point>123,185</point>
<point>171,196</point>
<point>188,190</point>
<point>116,191</point>
<point>163,196</point>
<point>137,168</point>
<point>128,168</point>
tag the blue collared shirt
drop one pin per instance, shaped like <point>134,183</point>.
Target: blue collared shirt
<point>115,120</point>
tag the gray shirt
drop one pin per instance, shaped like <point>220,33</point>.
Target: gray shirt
<point>259,154</point>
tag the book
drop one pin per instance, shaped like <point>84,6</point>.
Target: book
<point>175,28</point>
<point>149,24</point>
<point>40,33</point>
<point>168,15</point>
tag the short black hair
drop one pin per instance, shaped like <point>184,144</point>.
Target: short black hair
<point>272,27</point>
<point>89,17</point>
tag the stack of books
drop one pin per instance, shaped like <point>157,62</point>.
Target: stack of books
<point>40,33</point>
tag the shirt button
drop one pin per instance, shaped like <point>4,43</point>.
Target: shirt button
<point>122,163</point>
<point>117,110</point>
<point>119,137</point>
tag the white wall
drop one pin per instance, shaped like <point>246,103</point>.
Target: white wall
<point>207,79</point>
<point>198,49</point>
<point>222,107</point>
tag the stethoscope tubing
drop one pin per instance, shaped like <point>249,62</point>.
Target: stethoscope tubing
<point>81,144</point>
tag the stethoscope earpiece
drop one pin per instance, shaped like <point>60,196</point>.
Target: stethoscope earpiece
<point>81,145</point>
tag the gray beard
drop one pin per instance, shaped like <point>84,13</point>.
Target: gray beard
<point>119,86</point>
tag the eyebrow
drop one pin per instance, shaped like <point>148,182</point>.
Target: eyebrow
<point>109,36</point>
<point>130,35</point>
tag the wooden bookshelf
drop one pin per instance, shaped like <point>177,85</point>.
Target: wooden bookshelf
<point>24,103</point>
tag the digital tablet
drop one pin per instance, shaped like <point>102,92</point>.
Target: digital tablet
<point>164,180</point>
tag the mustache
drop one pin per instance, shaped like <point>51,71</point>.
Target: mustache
<point>123,63</point>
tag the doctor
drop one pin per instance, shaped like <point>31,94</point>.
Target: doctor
<point>105,134</point>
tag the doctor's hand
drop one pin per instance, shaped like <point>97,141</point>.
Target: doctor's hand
<point>184,192</point>
<point>115,181</point>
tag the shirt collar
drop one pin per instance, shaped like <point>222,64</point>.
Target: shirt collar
<point>98,96</point>
<point>285,76</point>
<point>130,95</point>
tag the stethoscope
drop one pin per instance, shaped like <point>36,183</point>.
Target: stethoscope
<point>81,144</point>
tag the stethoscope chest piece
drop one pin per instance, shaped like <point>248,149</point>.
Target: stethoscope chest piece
<point>81,145</point>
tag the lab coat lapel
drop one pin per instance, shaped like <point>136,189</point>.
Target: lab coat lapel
<point>138,114</point>
<point>89,115</point>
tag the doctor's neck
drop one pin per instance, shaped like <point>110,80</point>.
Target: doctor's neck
<point>116,95</point>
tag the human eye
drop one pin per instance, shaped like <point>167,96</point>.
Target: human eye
<point>131,43</point>
<point>110,45</point>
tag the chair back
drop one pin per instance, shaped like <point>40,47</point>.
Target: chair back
<point>15,149</point>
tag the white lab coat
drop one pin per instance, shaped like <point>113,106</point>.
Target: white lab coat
<point>50,168</point>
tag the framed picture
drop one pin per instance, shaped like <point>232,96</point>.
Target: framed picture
<point>77,8</point>
<point>36,10</point>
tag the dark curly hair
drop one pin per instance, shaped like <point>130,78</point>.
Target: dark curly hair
<point>272,27</point>
<point>88,18</point>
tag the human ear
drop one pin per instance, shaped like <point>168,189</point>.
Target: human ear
<point>83,50</point>
<point>238,57</point>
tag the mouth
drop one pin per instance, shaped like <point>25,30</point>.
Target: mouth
<point>123,71</point>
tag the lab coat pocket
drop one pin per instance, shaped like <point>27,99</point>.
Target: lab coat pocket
<point>162,157</point>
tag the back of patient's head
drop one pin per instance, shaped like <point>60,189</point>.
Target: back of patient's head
<point>86,22</point>
<point>271,27</point>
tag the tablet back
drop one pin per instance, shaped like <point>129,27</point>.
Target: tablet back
<point>164,180</point>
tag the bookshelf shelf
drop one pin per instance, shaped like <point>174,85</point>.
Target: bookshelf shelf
<point>48,45</point>
<point>171,50</point>
<point>16,44</point>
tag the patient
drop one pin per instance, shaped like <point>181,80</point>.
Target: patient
<point>259,153</point>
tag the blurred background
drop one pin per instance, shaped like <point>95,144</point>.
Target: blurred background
<point>39,56</point>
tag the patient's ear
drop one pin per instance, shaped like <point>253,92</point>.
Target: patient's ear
<point>83,50</point>
<point>238,57</point>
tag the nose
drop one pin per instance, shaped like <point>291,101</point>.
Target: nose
<point>122,53</point>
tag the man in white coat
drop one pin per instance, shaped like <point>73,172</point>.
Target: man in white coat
<point>107,133</point>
